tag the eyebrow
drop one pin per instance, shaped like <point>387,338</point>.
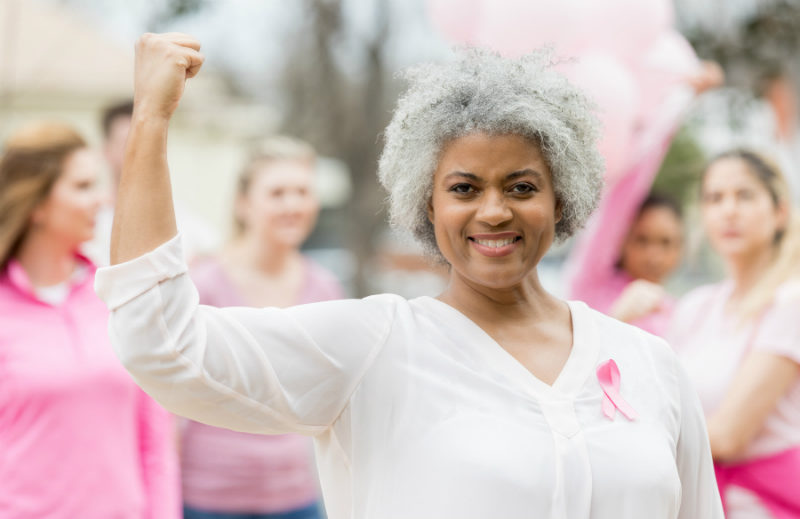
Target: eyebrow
<point>510,176</point>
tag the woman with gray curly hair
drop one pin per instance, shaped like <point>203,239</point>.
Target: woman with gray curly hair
<point>494,399</point>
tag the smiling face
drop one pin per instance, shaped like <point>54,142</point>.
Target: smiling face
<point>740,215</point>
<point>280,205</point>
<point>493,208</point>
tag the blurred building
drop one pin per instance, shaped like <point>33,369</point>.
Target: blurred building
<point>56,65</point>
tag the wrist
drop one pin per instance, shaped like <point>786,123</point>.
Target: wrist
<point>144,112</point>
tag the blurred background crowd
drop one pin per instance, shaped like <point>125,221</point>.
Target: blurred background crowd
<point>273,154</point>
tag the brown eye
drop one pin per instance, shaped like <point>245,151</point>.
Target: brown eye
<point>461,189</point>
<point>523,188</point>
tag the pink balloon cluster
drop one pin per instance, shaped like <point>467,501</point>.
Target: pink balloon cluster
<point>629,58</point>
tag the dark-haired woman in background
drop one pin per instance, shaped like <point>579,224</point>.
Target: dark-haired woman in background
<point>651,252</point>
<point>78,438</point>
<point>634,241</point>
<point>627,282</point>
<point>739,339</point>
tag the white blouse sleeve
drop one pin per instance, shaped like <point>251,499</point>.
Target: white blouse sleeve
<point>253,370</point>
<point>700,496</point>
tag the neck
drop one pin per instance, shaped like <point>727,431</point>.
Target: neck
<point>268,258</point>
<point>46,259</point>
<point>525,300</point>
<point>745,271</point>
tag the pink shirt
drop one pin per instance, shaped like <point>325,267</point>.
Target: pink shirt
<point>230,471</point>
<point>78,438</point>
<point>712,345</point>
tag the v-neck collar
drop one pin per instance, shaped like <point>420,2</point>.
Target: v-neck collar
<point>579,366</point>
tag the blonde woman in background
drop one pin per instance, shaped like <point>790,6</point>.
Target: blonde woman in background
<point>78,438</point>
<point>229,474</point>
<point>740,339</point>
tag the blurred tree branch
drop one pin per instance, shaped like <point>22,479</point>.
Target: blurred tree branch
<point>171,10</point>
<point>763,44</point>
<point>341,112</point>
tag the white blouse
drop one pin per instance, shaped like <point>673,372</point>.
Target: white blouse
<point>415,411</point>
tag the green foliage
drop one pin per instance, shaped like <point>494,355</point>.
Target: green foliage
<point>680,172</point>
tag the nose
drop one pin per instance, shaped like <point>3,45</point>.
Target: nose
<point>494,210</point>
<point>729,206</point>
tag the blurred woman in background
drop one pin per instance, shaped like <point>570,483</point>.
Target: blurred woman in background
<point>78,438</point>
<point>634,242</point>
<point>650,254</point>
<point>740,339</point>
<point>627,282</point>
<point>228,474</point>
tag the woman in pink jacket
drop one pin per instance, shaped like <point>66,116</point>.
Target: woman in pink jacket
<point>739,339</point>
<point>78,439</point>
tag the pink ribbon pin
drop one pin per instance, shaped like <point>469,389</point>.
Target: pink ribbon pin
<point>608,375</point>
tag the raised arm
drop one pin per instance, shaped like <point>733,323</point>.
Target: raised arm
<point>254,370</point>
<point>144,217</point>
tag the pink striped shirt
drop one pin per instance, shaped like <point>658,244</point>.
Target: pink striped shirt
<point>78,438</point>
<point>228,471</point>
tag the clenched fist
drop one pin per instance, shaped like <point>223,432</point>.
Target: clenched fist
<point>639,299</point>
<point>163,64</point>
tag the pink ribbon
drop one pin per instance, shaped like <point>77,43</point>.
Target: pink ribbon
<point>608,375</point>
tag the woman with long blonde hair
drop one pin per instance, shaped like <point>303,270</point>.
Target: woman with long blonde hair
<point>740,339</point>
<point>78,439</point>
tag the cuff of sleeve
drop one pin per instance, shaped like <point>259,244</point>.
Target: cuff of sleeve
<point>121,283</point>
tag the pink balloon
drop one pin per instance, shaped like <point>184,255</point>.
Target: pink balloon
<point>613,87</point>
<point>624,28</point>
<point>458,20</point>
<point>668,64</point>
<point>672,55</point>
<point>516,27</point>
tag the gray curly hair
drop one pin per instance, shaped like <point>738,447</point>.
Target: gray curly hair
<point>487,93</point>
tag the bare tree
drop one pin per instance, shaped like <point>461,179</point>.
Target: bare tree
<point>754,40</point>
<point>342,114</point>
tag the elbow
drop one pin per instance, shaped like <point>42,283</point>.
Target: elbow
<point>727,446</point>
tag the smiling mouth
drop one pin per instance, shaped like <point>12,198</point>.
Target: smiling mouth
<point>495,244</point>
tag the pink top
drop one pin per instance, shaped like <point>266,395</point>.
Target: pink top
<point>230,471</point>
<point>712,344</point>
<point>592,274</point>
<point>78,439</point>
<point>773,480</point>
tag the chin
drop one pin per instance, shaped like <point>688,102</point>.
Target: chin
<point>497,276</point>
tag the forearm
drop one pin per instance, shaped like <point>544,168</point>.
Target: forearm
<point>761,381</point>
<point>144,217</point>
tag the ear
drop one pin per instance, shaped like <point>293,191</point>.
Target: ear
<point>559,210</point>
<point>430,212</point>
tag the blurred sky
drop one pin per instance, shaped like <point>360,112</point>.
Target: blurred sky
<point>248,37</point>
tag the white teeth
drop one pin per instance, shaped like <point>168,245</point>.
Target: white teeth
<point>496,243</point>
